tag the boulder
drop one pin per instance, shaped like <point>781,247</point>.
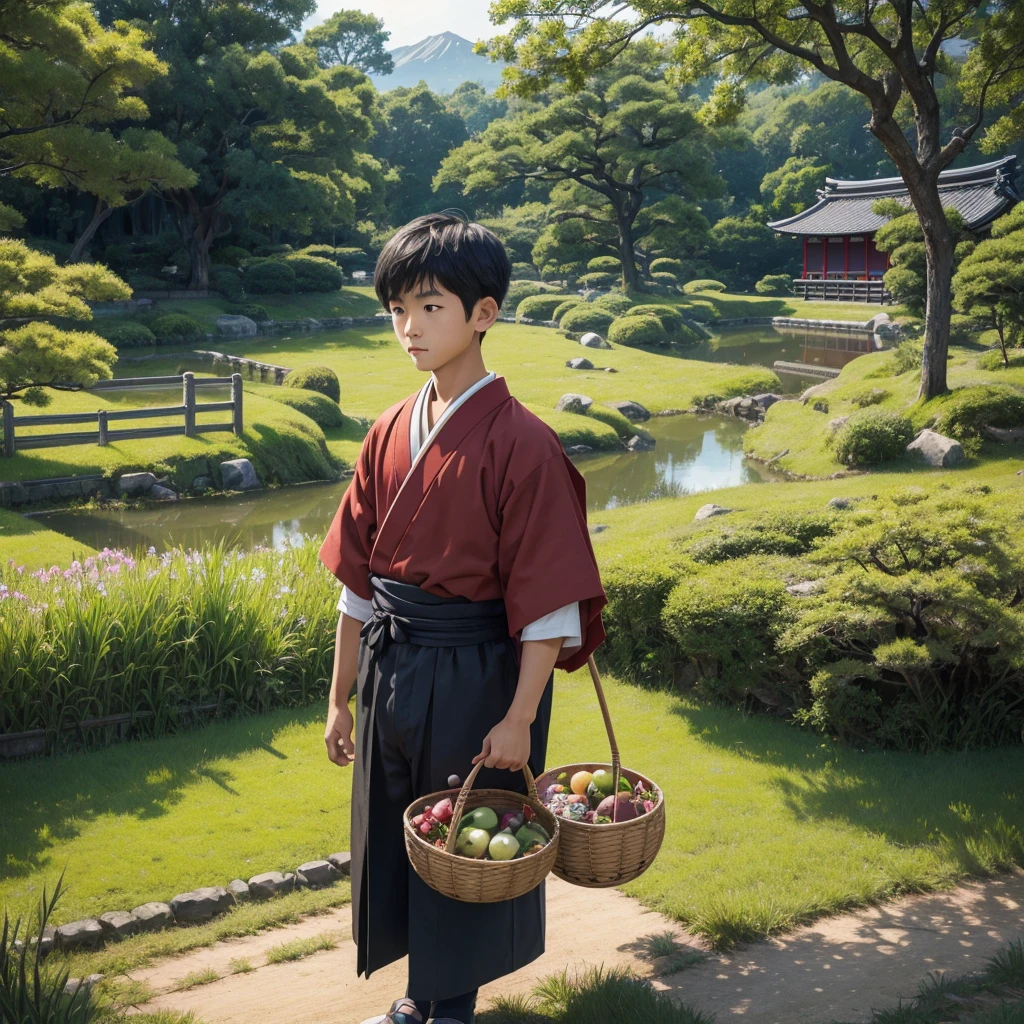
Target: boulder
<point>201,904</point>
<point>118,924</point>
<point>238,475</point>
<point>84,934</point>
<point>578,449</point>
<point>936,449</point>
<point>838,503</point>
<point>805,588</point>
<point>730,405</point>
<point>1004,435</point>
<point>12,493</point>
<point>579,363</point>
<point>598,527</point>
<point>270,883</point>
<point>633,411</point>
<point>837,423</point>
<point>640,443</point>
<point>153,916</point>
<point>709,510</point>
<point>159,493</point>
<point>766,400</point>
<point>239,889</point>
<point>574,403</point>
<point>135,483</point>
<point>342,861</point>
<point>236,326</point>
<point>72,985</point>
<point>202,483</point>
<point>817,390</point>
<point>610,369</point>
<point>592,340</point>
<point>315,873</point>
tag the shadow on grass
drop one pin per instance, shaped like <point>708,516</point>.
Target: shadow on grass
<point>46,802</point>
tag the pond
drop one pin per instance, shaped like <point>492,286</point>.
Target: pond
<point>693,453</point>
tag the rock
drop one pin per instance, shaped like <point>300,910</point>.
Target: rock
<point>270,883</point>
<point>239,889</point>
<point>201,904</point>
<point>935,449</point>
<point>236,326</point>
<point>640,443</point>
<point>709,510</point>
<point>238,475</point>
<point>592,340</point>
<point>1004,435</point>
<point>72,985</point>
<point>598,527</point>
<point>805,588</point>
<point>135,483</point>
<point>315,873</point>
<point>153,916</point>
<point>342,861</point>
<point>578,449</point>
<point>609,369</point>
<point>12,493</point>
<point>766,400</point>
<point>202,483</point>
<point>836,423</point>
<point>84,934</point>
<point>159,493</point>
<point>816,390</point>
<point>118,924</point>
<point>633,411</point>
<point>574,403</point>
<point>730,405</point>
<point>579,363</point>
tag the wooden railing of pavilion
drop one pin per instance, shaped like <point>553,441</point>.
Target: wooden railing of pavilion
<point>841,289</point>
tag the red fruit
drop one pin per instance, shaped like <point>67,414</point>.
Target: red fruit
<point>528,812</point>
<point>624,808</point>
<point>418,820</point>
<point>442,810</point>
<point>425,827</point>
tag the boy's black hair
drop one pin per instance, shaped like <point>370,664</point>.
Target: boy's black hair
<point>467,258</point>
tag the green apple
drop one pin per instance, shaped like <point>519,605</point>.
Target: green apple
<point>479,817</point>
<point>472,842</point>
<point>504,846</point>
<point>604,780</point>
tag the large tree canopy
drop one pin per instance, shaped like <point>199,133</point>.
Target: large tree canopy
<point>352,38</point>
<point>890,53</point>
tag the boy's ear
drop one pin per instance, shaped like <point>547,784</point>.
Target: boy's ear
<point>486,313</point>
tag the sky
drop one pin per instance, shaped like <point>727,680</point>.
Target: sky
<point>409,21</point>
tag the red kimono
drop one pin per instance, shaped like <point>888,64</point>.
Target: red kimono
<point>487,534</point>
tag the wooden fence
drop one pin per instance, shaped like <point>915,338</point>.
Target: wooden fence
<point>841,289</point>
<point>103,435</point>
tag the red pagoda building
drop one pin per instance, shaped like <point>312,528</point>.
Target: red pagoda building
<point>840,258</point>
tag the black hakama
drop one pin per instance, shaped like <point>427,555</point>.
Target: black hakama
<point>435,674</point>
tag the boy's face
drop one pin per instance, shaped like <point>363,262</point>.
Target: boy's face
<point>430,322</point>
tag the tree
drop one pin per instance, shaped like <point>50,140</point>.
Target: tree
<point>793,186</point>
<point>34,353</point>
<point>614,144</point>
<point>989,285</point>
<point>890,53</point>
<point>272,138</point>
<point>476,106</point>
<point>352,38</point>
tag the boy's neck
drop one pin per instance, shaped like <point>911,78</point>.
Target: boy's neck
<point>459,374</point>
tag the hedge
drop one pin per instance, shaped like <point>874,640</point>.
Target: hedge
<point>315,377</point>
<point>270,277</point>
<point>605,264</point>
<point>130,335</point>
<point>615,301</point>
<point>563,308</point>
<point>587,317</point>
<point>176,329</point>
<point>645,329</point>
<point>539,307</point>
<point>872,436</point>
<point>703,284</point>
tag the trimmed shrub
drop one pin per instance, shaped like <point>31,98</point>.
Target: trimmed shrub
<point>599,279</point>
<point>525,272</point>
<point>323,252</point>
<point>253,311</point>
<point>868,396</point>
<point>772,533</point>
<point>670,317</point>
<point>663,277</point>
<point>231,255</point>
<point>701,310</point>
<point>645,329</point>
<point>587,317</point>
<point>605,264</point>
<point>614,301</point>
<point>323,411</point>
<point>774,284</point>
<point>966,410</point>
<point>131,335</point>
<point>228,281</point>
<point>517,291</point>
<point>871,437</point>
<point>668,265</point>
<point>270,277</point>
<point>539,307</point>
<point>176,329</point>
<point>315,377</point>
<point>563,307</point>
<point>313,274</point>
<point>703,284</point>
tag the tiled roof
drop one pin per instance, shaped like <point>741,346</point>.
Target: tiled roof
<point>980,193</point>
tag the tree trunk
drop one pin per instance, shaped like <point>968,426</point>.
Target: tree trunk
<point>938,247</point>
<point>100,214</point>
<point>629,275</point>
<point>197,226</point>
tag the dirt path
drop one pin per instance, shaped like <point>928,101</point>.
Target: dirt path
<point>838,969</point>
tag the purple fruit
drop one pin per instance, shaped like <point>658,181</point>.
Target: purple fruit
<point>624,808</point>
<point>454,781</point>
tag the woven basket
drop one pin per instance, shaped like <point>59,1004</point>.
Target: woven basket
<point>467,878</point>
<point>598,856</point>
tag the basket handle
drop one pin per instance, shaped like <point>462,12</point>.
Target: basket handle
<point>453,825</point>
<point>608,727</point>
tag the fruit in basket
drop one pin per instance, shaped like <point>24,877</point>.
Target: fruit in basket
<point>622,804</point>
<point>579,782</point>
<point>454,782</point>
<point>604,781</point>
<point>504,846</point>
<point>473,842</point>
<point>511,819</point>
<point>527,838</point>
<point>442,810</point>
<point>479,817</point>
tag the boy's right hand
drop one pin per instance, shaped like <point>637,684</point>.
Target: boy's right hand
<point>338,736</point>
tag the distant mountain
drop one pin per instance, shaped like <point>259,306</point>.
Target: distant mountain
<point>443,62</point>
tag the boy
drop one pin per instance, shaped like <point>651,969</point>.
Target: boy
<point>468,574</point>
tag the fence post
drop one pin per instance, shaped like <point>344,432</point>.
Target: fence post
<point>236,402</point>
<point>102,419</point>
<point>8,428</point>
<point>189,401</point>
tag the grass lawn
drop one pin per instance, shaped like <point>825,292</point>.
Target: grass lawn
<point>802,429</point>
<point>768,825</point>
<point>34,546</point>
